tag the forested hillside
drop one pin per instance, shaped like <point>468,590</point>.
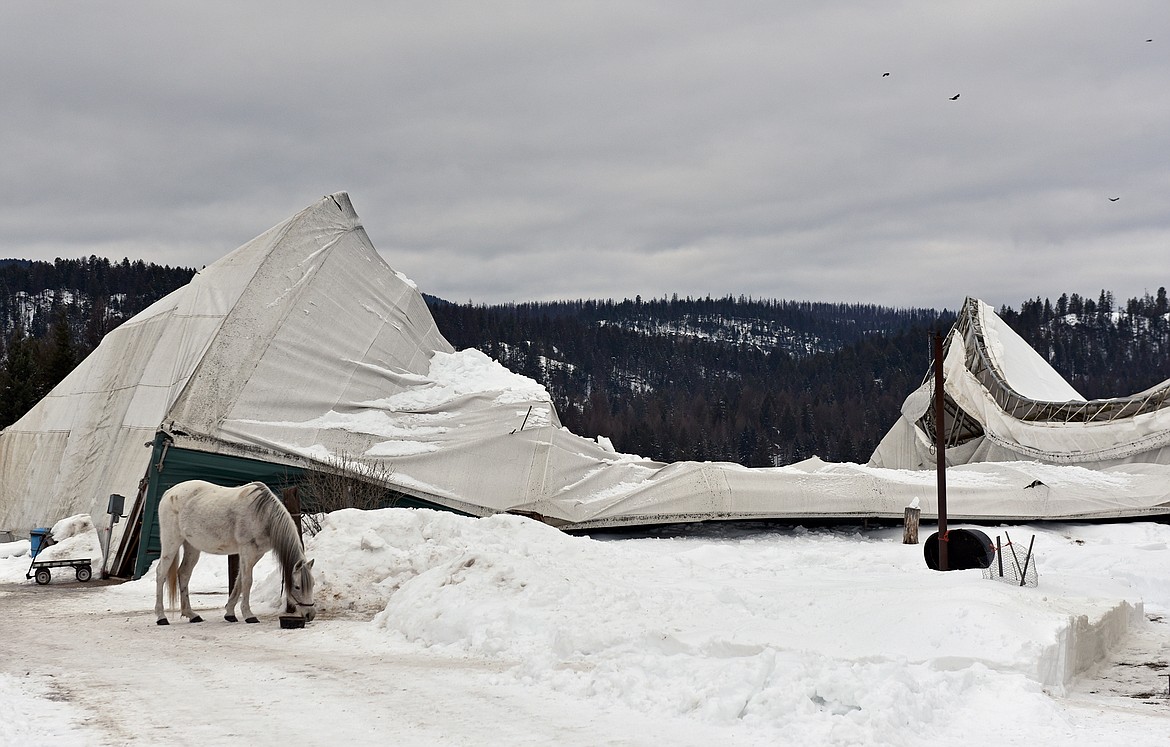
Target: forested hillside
<point>52,314</point>
<point>758,382</point>
<point>772,382</point>
<point>754,382</point>
<point>1103,349</point>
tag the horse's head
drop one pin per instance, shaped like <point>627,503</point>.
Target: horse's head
<point>300,592</point>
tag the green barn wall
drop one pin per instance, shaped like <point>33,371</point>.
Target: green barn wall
<point>171,465</point>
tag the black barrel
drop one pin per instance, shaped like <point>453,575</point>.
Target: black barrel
<point>966,548</point>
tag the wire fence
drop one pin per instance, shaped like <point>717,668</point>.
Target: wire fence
<point>1013,565</point>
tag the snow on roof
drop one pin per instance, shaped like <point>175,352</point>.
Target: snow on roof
<point>1022,367</point>
<point>1008,405</point>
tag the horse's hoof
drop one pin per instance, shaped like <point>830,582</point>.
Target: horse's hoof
<point>197,619</point>
<point>162,621</point>
<point>251,620</point>
<point>231,618</point>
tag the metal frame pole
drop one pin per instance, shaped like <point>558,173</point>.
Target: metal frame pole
<point>940,453</point>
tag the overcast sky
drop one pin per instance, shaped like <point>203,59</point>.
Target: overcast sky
<point>514,151</point>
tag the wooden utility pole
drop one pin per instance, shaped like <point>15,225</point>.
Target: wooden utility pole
<point>940,444</point>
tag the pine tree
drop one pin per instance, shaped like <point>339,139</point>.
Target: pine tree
<point>59,354</point>
<point>18,391</point>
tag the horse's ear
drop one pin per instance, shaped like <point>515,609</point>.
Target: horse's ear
<point>314,560</point>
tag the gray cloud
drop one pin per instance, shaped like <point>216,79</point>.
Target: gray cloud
<point>533,150</point>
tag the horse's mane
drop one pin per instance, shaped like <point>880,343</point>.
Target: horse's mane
<point>286,541</point>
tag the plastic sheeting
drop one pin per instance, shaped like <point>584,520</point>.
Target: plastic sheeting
<point>304,348</point>
<point>1025,410</point>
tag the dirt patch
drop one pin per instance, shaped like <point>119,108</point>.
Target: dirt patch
<point>1139,669</point>
<point>59,584</point>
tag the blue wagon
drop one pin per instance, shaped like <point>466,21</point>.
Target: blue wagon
<point>82,568</point>
<point>39,539</point>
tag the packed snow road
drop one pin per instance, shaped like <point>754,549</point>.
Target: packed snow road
<point>129,681</point>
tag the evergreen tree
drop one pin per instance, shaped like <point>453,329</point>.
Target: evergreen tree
<point>59,354</point>
<point>18,389</point>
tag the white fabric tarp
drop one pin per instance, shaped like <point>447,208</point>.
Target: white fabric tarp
<point>1024,410</point>
<point>303,347</point>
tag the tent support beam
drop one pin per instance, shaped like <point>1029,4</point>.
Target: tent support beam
<point>940,451</point>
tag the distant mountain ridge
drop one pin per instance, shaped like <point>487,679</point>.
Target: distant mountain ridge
<point>798,328</point>
<point>758,382</point>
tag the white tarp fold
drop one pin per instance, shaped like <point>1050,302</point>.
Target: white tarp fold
<point>1024,409</point>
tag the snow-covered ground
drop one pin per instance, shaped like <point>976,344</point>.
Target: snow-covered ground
<point>440,629</point>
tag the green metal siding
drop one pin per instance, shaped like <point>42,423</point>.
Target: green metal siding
<point>171,465</point>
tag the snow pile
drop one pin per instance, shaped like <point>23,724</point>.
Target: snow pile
<point>75,538</point>
<point>470,371</point>
<point>827,636</point>
<point>79,527</point>
<point>780,630</point>
<point>17,549</point>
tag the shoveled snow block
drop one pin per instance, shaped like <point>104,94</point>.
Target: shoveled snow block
<point>1087,640</point>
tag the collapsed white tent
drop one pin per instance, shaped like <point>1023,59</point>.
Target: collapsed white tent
<point>303,349</point>
<point>1005,403</point>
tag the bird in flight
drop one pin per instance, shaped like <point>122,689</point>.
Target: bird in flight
<point>955,97</point>
<point>1114,199</point>
<point>885,75</point>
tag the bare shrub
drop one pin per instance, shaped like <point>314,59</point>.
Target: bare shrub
<point>349,483</point>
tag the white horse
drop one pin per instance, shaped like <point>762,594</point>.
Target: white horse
<point>247,521</point>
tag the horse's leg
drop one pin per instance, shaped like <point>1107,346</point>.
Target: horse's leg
<point>190,558</point>
<point>165,562</point>
<point>229,613</point>
<point>248,560</point>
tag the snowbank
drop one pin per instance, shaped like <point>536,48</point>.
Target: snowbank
<point>828,636</point>
<point>778,628</point>
<point>75,538</point>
